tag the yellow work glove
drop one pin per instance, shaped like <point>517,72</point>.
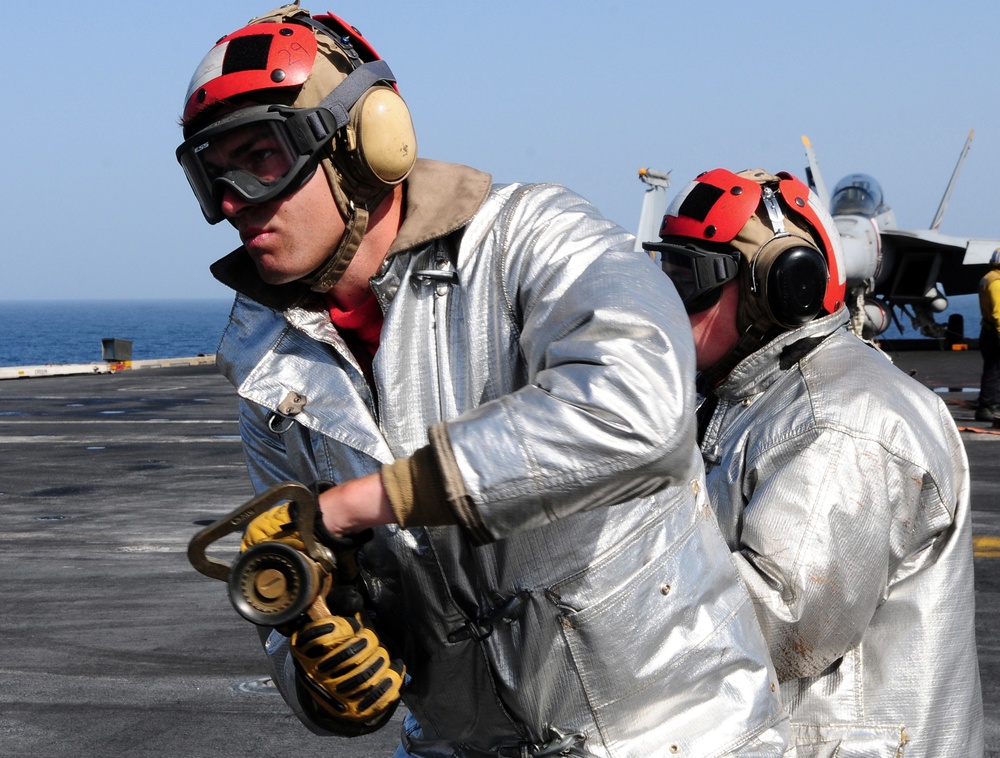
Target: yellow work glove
<point>279,524</point>
<point>345,670</point>
<point>342,666</point>
<point>274,525</point>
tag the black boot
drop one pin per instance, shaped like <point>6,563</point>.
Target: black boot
<point>987,412</point>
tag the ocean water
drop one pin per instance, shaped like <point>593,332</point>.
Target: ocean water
<point>39,332</point>
<point>35,333</point>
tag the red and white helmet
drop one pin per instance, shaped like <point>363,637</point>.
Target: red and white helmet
<point>769,230</point>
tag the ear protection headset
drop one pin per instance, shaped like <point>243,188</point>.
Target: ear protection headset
<point>793,286</point>
<point>375,145</point>
<point>787,272</point>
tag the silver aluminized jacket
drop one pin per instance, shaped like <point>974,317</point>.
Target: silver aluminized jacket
<point>605,602</point>
<point>842,486</point>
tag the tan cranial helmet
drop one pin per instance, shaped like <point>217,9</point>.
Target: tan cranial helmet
<point>320,95</point>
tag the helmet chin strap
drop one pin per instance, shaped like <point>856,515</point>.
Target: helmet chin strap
<point>356,216</point>
<point>326,276</point>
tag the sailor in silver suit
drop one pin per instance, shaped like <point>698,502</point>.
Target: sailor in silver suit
<point>841,484</point>
<point>502,390</point>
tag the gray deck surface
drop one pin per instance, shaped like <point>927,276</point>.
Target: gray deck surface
<point>112,646</point>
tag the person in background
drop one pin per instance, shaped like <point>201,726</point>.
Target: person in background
<point>840,483</point>
<point>502,392</point>
<point>988,408</point>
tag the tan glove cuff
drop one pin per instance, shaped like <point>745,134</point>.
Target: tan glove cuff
<point>416,490</point>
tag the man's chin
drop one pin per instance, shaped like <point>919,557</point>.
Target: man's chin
<point>272,277</point>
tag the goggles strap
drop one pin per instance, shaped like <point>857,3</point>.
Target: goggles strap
<point>344,96</point>
<point>355,213</point>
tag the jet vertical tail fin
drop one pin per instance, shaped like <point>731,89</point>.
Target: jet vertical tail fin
<point>951,184</point>
<point>815,179</point>
<point>654,204</point>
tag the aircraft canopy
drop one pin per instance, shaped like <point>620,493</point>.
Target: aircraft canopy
<point>857,194</point>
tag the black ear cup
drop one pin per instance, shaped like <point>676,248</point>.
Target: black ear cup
<point>794,286</point>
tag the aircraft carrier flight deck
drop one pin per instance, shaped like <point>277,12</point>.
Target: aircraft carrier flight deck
<point>112,645</point>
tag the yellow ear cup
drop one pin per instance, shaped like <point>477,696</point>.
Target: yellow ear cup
<point>386,140</point>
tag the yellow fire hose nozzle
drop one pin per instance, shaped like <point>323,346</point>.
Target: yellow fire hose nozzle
<point>271,583</point>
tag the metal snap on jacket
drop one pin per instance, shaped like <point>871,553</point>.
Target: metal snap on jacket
<point>280,420</point>
<point>444,275</point>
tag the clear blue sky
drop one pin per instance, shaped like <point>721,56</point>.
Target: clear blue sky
<point>583,93</point>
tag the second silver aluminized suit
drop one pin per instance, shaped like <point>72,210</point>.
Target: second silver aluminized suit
<point>603,614</point>
<point>843,488</point>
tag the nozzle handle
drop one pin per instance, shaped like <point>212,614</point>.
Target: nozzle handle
<point>308,507</point>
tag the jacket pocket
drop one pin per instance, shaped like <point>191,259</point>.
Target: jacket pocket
<point>653,632</point>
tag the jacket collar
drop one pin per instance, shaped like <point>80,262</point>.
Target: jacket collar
<point>439,198</point>
<point>761,369</point>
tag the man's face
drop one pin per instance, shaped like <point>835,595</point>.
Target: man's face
<point>291,236</point>
<point>715,332</point>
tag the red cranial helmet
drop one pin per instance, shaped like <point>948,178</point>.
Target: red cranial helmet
<point>249,61</point>
<point>288,93</point>
<point>767,229</point>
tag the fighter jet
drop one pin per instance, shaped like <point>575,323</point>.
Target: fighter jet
<point>890,269</point>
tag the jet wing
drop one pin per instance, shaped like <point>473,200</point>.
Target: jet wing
<point>918,260</point>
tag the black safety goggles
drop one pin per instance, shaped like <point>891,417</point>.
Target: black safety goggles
<point>260,153</point>
<point>697,274</point>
